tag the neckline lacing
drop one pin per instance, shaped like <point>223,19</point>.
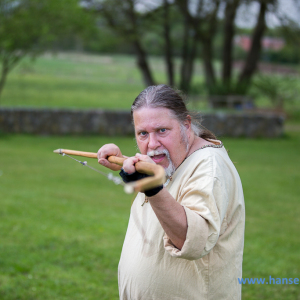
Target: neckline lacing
<point>203,147</point>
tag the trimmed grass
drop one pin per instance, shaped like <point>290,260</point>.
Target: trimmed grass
<point>85,81</point>
<point>70,80</point>
<point>62,225</point>
<point>80,81</point>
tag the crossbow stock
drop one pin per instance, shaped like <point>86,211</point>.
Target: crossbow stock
<point>156,172</point>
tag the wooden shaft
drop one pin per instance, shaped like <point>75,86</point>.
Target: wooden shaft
<point>157,172</point>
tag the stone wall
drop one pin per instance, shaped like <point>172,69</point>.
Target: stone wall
<point>105,122</point>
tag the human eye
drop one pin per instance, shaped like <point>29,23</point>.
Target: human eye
<point>162,130</point>
<point>143,133</point>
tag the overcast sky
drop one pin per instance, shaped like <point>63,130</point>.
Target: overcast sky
<point>247,15</point>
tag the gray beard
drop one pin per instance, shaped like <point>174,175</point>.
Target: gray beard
<point>170,169</point>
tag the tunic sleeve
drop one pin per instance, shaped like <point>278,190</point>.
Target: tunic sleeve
<point>205,200</point>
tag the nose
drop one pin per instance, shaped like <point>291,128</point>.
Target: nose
<point>153,141</point>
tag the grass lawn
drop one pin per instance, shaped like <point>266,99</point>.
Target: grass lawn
<point>62,225</point>
<point>86,81</point>
<point>80,81</point>
<point>70,80</point>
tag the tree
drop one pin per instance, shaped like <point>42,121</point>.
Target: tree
<point>204,20</point>
<point>198,24</point>
<point>27,27</point>
<point>188,54</point>
<point>255,50</point>
<point>163,22</point>
<point>122,17</point>
<point>228,33</point>
<point>168,43</point>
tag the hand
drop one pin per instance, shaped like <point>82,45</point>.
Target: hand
<point>129,164</point>
<point>109,150</point>
<point>144,158</point>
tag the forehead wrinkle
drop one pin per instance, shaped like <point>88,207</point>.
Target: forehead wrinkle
<point>153,127</point>
<point>154,122</point>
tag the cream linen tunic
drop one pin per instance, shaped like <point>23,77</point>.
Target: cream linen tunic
<point>206,184</point>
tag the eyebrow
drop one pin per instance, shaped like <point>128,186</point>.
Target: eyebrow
<point>155,129</point>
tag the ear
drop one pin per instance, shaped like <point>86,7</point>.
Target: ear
<point>188,122</point>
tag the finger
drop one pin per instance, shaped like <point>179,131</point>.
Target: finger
<point>99,156</point>
<point>128,165</point>
<point>107,164</point>
<point>108,150</point>
<point>141,156</point>
<point>131,161</point>
<point>145,158</point>
<point>102,153</point>
<point>103,162</point>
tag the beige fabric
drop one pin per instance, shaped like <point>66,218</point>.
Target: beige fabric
<point>210,262</point>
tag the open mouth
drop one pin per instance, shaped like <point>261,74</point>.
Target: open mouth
<point>158,158</point>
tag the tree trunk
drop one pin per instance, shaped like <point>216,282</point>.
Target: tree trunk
<point>143,63</point>
<point>187,59</point>
<point>189,47</point>
<point>254,53</point>
<point>4,72</point>
<point>207,56</point>
<point>168,45</point>
<point>207,46</point>
<point>184,86</point>
<point>190,62</point>
<point>136,42</point>
<point>230,13</point>
<point>204,36</point>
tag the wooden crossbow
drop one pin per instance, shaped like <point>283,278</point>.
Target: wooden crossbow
<point>157,172</point>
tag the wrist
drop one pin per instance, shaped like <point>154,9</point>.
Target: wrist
<point>131,177</point>
<point>154,191</point>
<point>137,176</point>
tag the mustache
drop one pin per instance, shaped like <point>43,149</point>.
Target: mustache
<point>158,152</point>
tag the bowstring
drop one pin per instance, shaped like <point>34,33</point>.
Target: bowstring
<point>109,176</point>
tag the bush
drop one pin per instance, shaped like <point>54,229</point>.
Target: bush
<point>278,89</point>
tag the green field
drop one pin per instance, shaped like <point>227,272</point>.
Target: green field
<point>74,80</point>
<point>70,80</point>
<point>63,225</point>
<point>79,81</point>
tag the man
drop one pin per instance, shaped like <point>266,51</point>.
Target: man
<point>184,239</point>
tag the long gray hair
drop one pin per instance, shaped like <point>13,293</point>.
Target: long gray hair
<point>164,96</point>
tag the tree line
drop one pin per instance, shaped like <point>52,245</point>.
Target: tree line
<point>185,29</point>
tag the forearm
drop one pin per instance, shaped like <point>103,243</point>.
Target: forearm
<point>171,216</point>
